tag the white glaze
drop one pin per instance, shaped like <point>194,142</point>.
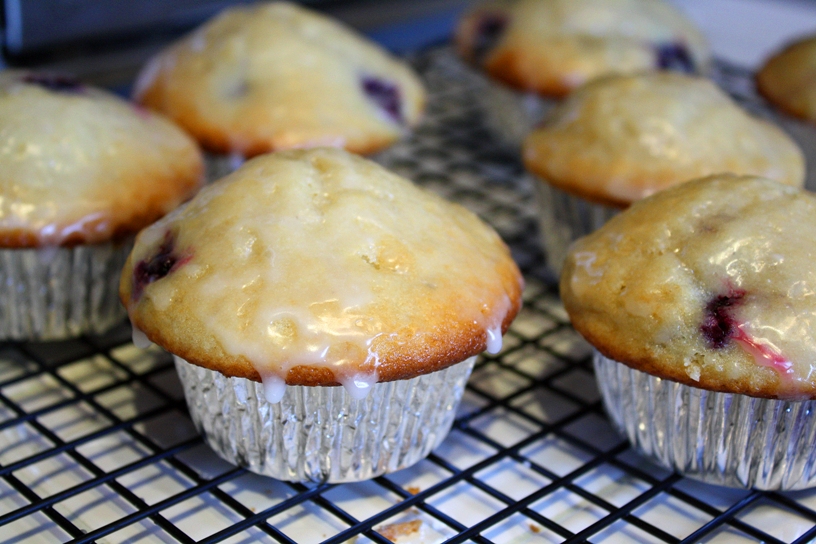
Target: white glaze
<point>274,387</point>
<point>140,339</point>
<point>359,385</point>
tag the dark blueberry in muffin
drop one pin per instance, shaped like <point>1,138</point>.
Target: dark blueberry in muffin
<point>55,82</point>
<point>156,267</point>
<point>386,95</point>
<point>718,325</point>
<point>674,56</point>
<point>490,28</point>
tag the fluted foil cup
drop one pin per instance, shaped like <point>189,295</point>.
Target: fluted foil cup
<point>510,115</point>
<point>720,438</point>
<point>54,293</point>
<point>563,218</point>
<point>322,434</point>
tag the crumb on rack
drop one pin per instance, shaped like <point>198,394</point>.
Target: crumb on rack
<point>413,490</point>
<point>396,530</point>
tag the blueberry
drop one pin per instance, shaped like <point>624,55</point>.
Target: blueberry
<point>674,56</point>
<point>156,267</point>
<point>55,82</point>
<point>718,325</point>
<point>488,31</point>
<point>386,95</point>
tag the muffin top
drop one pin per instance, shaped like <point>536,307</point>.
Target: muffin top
<point>553,46</point>
<point>276,76</point>
<point>788,79</point>
<point>710,283</point>
<point>79,165</point>
<point>621,138</point>
<point>319,267</point>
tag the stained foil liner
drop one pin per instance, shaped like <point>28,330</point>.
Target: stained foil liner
<point>720,438</point>
<point>322,434</point>
<point>563,218</point>
<point>510,115</point>
<point>61,292</point>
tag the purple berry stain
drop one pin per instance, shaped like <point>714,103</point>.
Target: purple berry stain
<point>674,56</point>
<point>488,31</point>
<point>55,82</point>
<point>719,327</point>
<point>385,94</point>
<point>163,262</point>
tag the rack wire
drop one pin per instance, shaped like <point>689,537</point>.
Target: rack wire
<point>96,444</point>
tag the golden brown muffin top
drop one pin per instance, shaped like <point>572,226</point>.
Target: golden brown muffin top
<point>80,165</point>
<point>710,283</point>
<point>621,138</point>
<point>553,46</point>
<point>788,79</point>
<point>319,267</point>
<point>278,76</point>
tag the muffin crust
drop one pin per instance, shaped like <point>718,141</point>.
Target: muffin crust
<point>621,138</point>
<point>319,267</point>
<point>278,76</point>
<point>709,283</point>
<point>553,46</point>
<point>80,165</point>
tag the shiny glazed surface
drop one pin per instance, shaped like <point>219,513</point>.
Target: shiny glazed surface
<point>317,268</point>
<point>619,139</point>
<point>279,76</point>
<point>554,46</point>
<point>710,284</point>
<point>80,165</point>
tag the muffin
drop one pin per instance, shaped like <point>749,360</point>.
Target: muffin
<point>621,138</point>
<point>308,269</point>
<point>276,76</point>
<point>548,48</point>
<point>788,79</point>
<point>700,303</point>
<point>81,171</point>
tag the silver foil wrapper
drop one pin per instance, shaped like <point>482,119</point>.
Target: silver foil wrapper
<point>563,218</point>
<point>322,434</point>
<point>720,438</point>
<point>217,166</point>
<point>55,293</point>
<point>510,114</point>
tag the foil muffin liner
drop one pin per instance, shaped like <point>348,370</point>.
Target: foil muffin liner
<point>563,218</point>
<point>720,438</point>
<point>322,434</point>
<point>54,293</point>
<point>510,115</point>
<point>217,166</point>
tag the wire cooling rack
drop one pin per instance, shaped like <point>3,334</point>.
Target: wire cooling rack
<point>96,444</point>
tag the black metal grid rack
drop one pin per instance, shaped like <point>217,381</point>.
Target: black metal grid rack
<point>96,444</point>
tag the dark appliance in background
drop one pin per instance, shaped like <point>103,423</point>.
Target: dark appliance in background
<point>106,41</point>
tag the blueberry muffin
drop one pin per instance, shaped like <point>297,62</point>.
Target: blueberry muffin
<point>277,76</point>
<point>700,303</point>
<point>788,79</point>
<point>308,269</point>
<point>550,47</point>
<point>621,138</point>
<point>81,172</point>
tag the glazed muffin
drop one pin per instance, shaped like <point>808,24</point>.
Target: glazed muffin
<point>788,79</point>
<point>551,47</point>
<point>277,76</point>
<point>622,138</point>
<point>700,303</point>
<point>81,172</point>
<point>305,270</point>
